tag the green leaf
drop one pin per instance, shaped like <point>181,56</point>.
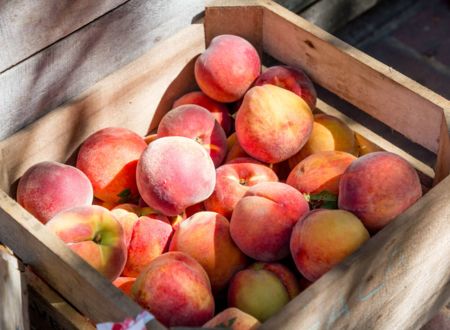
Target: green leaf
<point>324,200</point>
<point>125,195</point>
<point>226,325</point>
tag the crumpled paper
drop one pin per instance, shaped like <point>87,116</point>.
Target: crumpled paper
<point>129,324</point>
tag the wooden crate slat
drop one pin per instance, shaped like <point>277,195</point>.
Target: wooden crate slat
<point>13,293</point>
<point>26,27</point>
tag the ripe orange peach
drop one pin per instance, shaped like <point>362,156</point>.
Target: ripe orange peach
<point>176,290</point>
<point>227,68</point>
<point>95,235</point>
<point>218,110</point>
<point>234,319</point>
<point>378,187</point>
<point>320,172</point>
<point>124,284</point>
<point>262,289</point>
<point>262,221</point>
<point>294,80</point>
<point>150,239</point>
<point>206,237</point>
<point>174,173</point>
<point>232,182</point>
<point>47,188</point>
<point>127,220</point>
<point>234,149</point>
<point>328,134</point>
<point>323,238</point>
<point>195,122</point>
<point>109,158</point>
<point>272,123</point>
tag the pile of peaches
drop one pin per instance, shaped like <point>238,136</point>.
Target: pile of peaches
<point>221,218</point>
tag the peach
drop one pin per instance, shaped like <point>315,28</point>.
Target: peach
<point>328,134</point>
<point>124,284</point>
<point>95,235</point>
<point>218,110</point>
<point>294,80</point>
<point>262,221</point>
<point>127,220</point>
<point>176,290</point>
<point>47,188</point>
<point>109,158</point>
<point>232,182</point>
<point>365,146</point>
<point>323,238</point>
<point>234,319</point>
<point>206,237</point>
<point>195,122</point>
<point>377,187</point>
<point>320,172</point>
<point>174,173</point>
<point>262,289</point>
<point>227,68</point>
<point>272,123</point>
<point>234,149</point>
<point>150,239</point>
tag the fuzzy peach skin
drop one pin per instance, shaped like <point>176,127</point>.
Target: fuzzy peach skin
<point>323,238</point>
<point>234,149</point>
<point>262,221</point>
<point>206,237</point>
<point>234,319</point>
<point>218,110</point>
<point>272,123</point>
<point>150,239</point>
<point>378,187</point>
<point>365,146</point>
<point>232,182</point>
<point>47,188</point>
<point>176,290</point>
<point>294,80</point>
<point>227,68</point>
<point>174,173</point>
<point>127,220</point>
<point>197,123</point>
<point>95,235</point>
<point>124,284</point>
<point>109,158</point>
<point>320,172</point>
<point>262,289</point>
<point>328,134</point>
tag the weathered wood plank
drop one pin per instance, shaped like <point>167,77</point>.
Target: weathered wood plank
<point>48,310</point>
<point>13,293</point>
<point>331,15</point>
<point>66,68</point>
<point>29,26</point>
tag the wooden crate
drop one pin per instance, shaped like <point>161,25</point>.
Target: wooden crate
<point>397,280</point>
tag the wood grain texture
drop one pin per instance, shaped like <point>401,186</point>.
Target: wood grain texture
<point>331,15</point>
<point>48,310</point>
<point>29,26</point>
<point>68,67</point>
<point>13,293</point>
